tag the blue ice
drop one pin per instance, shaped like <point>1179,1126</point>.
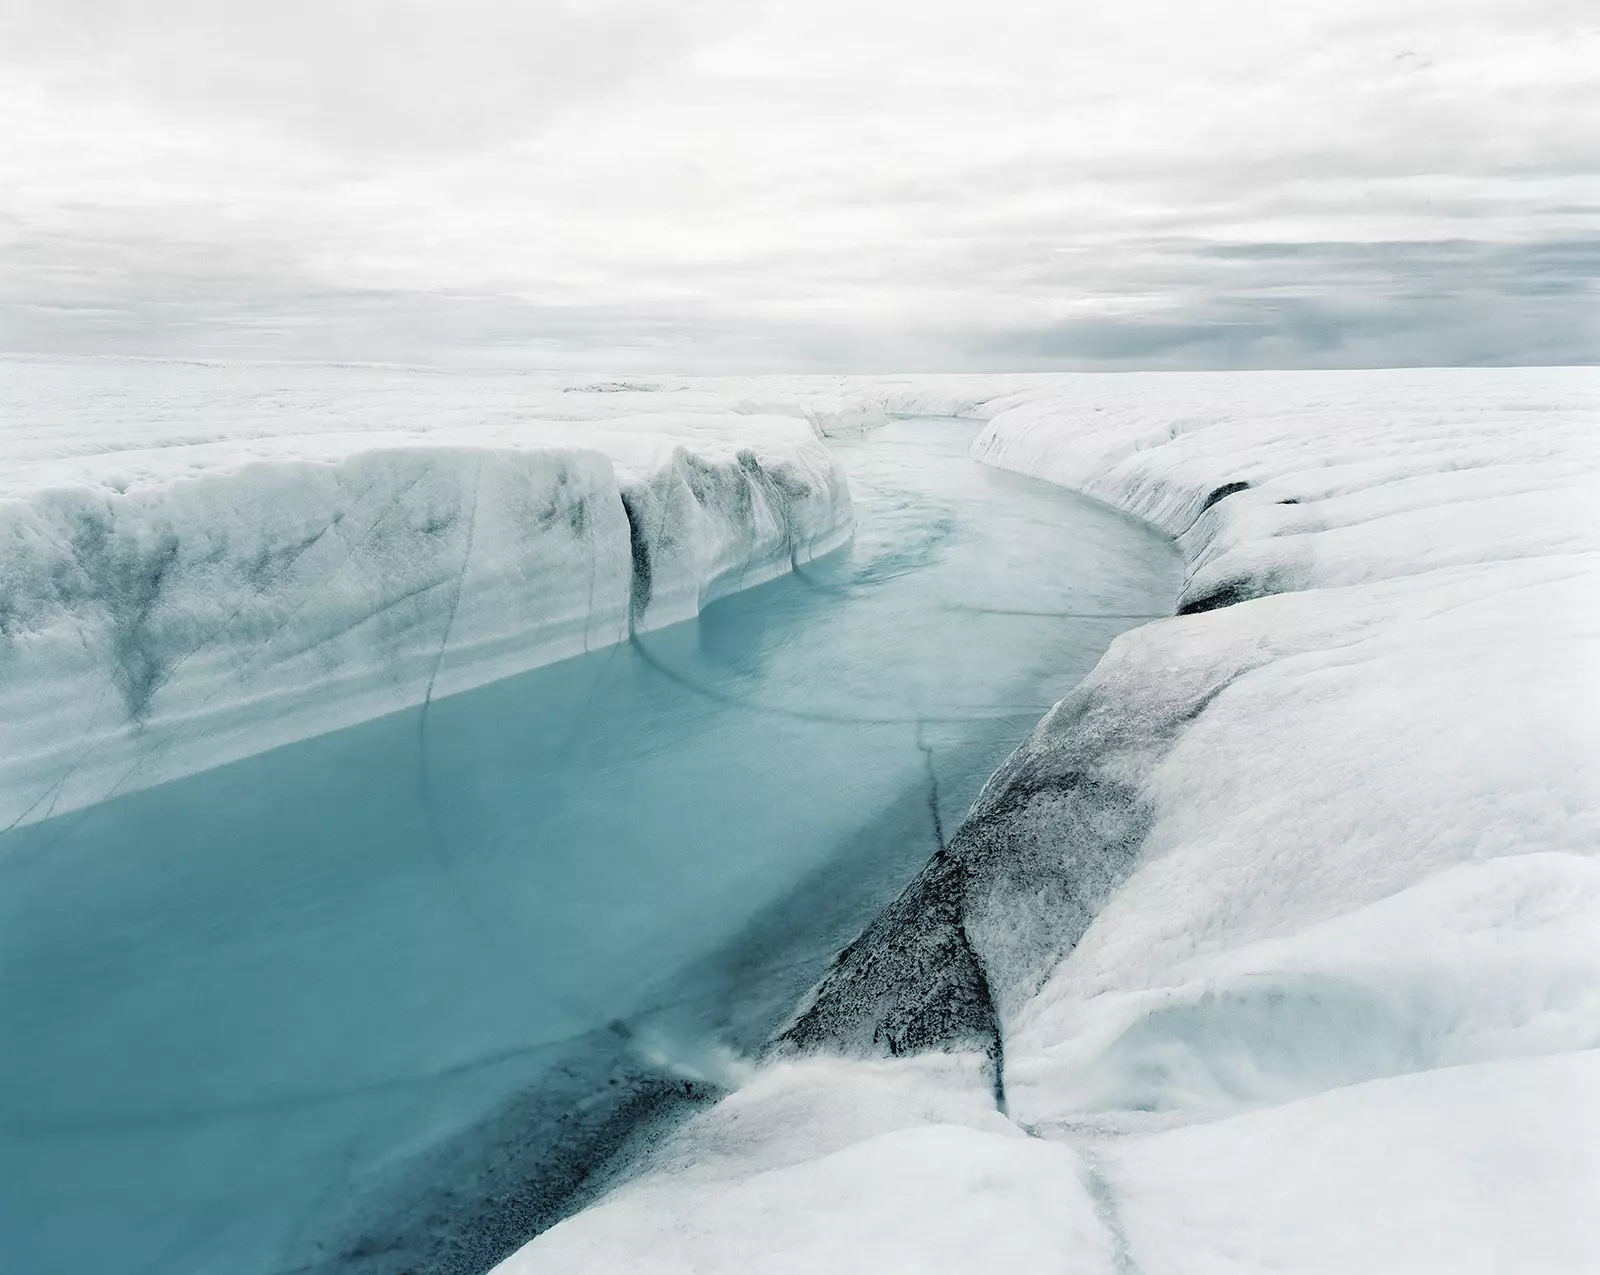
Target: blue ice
<point>333,1007</point>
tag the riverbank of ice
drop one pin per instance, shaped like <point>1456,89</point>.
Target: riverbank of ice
<point>201,562</point>
<point>1279,933</point>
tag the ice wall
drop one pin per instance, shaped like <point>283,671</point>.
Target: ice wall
<point>168,603</point>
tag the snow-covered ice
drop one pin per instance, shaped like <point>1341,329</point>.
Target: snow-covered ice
<point>1281,933</point>
<point>1470,1170</point>
<point>827,1164</point>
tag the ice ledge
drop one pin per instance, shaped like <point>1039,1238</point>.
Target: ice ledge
<point>210,607</point>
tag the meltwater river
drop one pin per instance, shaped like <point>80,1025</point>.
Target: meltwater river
<point>387,999</point>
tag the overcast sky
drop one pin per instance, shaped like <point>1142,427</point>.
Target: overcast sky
<point>835,184</point>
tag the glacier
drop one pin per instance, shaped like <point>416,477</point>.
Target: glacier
<point>1276,944</point>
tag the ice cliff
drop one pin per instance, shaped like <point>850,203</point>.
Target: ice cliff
<point>175,594</point>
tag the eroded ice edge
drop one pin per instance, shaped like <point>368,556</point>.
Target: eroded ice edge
<point>198,562</point>
<point>1276,946</point>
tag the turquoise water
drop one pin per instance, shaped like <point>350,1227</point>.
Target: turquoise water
<point>312,1010</point>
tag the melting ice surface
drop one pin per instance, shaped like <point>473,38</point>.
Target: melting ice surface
<point>313,1009</point>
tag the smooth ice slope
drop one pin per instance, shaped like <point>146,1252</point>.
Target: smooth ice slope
<point>1282,931</point>
<point>200,562</point>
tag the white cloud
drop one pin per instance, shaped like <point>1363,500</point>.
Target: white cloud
<point>358,76</point>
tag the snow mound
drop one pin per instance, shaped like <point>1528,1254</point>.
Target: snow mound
<point>173,596</point>
<point>1470,1170</point>
<point>1284,927</point>
<point>846,1166</point>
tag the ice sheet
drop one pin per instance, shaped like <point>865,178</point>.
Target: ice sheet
<point>1285,924</point>
<point>1286,916</point>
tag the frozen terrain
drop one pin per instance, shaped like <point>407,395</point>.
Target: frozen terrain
<point>1276,945</point>
<point>385,998</point>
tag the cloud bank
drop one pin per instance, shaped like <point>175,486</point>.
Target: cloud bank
<point>700,185</point>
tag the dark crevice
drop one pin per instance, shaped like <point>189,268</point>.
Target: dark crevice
<point>996,1047</point>
<point>1222,493</point>
<point>639,546</point>
<point>1226,596</point>
<point>1109,1215</point>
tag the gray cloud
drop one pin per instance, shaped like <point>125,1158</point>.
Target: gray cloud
<point>1319,304</point>
<point>1314,332</point>
<point>649,183</point>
